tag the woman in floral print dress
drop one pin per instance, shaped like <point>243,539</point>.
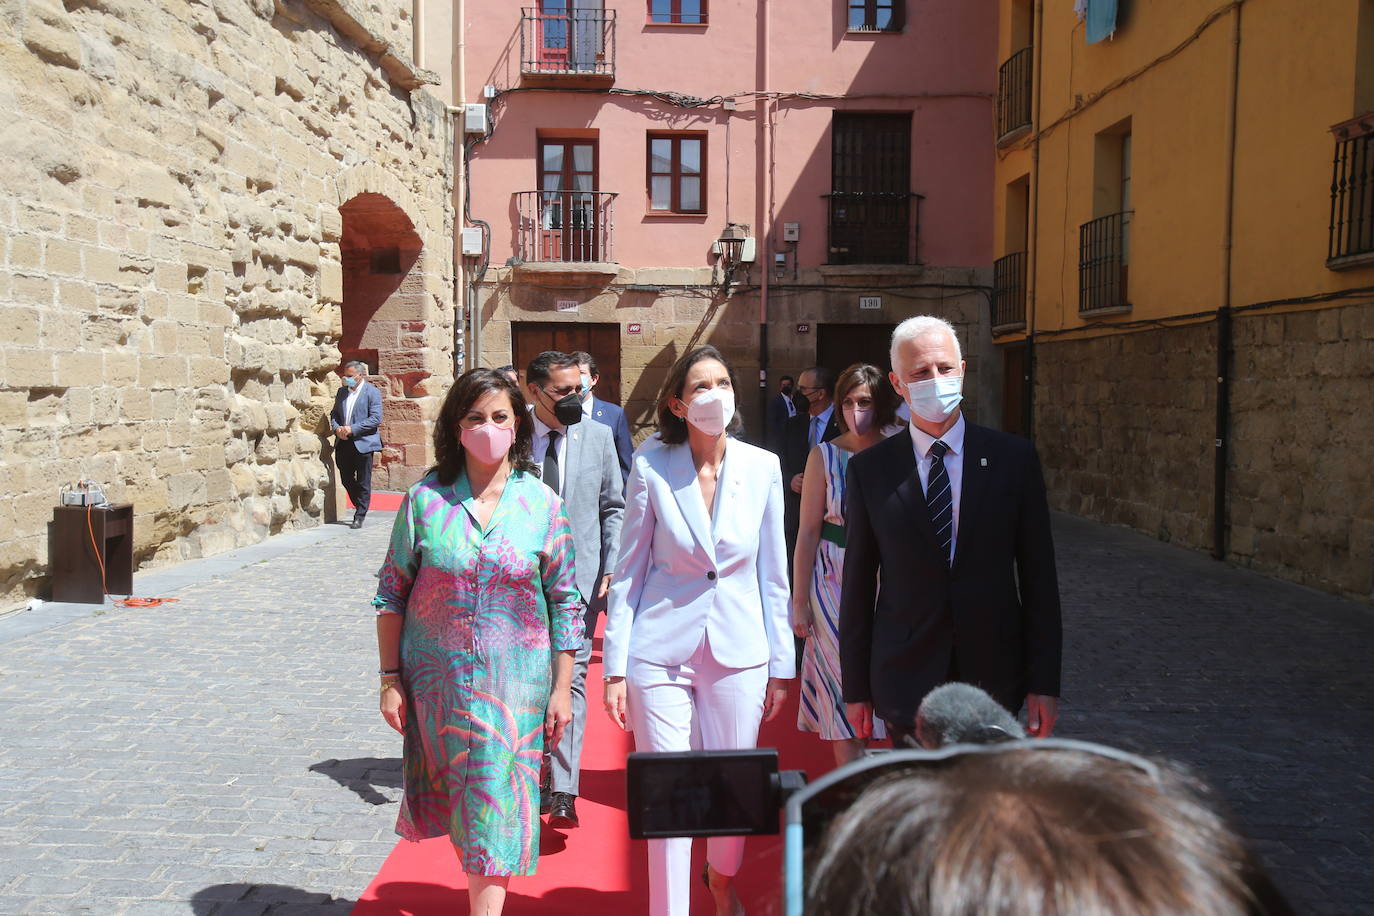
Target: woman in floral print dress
<point>476,594</point>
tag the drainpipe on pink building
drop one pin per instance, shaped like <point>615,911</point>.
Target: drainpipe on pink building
<point>764,208</point>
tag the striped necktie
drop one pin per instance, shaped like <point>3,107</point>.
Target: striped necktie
<point>940,498</point>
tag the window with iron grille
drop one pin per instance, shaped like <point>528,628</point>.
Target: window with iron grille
<point>871,203</point>
<point>1351,230</point>
<point>876,15</point>
<point>677,173</point>
<point>677,12</point>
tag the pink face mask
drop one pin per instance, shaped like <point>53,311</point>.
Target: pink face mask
<point>487,443</point>
<point>860,420</point>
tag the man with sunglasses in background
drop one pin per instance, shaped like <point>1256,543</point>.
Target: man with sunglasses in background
<point>578,462</point>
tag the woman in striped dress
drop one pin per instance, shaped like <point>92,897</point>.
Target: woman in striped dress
<point>867,409</point>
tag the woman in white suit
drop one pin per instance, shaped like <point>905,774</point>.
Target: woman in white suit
<point>697,618</point>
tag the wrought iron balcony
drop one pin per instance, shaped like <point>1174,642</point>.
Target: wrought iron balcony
<point>1014,93</point>
<point>1009,293</point>
<point>565,227</point>
<point>873,227</point>
<point>1350,236</point>
<point>562,45</point>
<point>1103,261</point>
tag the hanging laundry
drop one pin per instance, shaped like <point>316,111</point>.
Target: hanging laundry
<point>1101,19</point>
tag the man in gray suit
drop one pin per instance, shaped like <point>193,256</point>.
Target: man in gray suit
<point>579,463</point>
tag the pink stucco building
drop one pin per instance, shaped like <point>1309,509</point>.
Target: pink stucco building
<point>842,148</point>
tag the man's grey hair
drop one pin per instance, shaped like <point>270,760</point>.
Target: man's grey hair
<point>919,326</point>
<point>963,714</point>
<point>356,364</point>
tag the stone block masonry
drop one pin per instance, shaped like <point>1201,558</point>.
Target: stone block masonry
<point>1126,426</point>
<point>171,281</point>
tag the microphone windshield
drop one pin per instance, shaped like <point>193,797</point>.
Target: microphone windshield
<point>963,714</point>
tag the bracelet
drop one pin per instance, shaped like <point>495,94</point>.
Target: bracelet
<point>388,683</point>
<point>390,671</point>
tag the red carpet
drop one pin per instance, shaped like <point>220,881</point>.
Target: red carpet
<point>381,502</point>
<point>595,868</point>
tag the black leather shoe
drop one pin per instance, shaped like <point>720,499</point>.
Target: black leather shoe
<point>356,523</point>
<point>563,812</point>
<point>545,799</point>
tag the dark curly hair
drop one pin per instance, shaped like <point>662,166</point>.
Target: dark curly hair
<point>672,429</point>
<point>470,387</point>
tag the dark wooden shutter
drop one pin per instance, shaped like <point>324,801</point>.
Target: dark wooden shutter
<point>870,198</point>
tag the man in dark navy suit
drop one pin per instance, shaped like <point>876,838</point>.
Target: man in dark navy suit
<point>813,424</point>
<point>949,568</point>
<point>356,421</point>
<point>781,408</point>
<point>605,412</point>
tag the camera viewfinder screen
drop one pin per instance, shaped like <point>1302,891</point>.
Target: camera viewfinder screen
<point>702,793</point>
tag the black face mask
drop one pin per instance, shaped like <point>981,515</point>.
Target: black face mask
<point>567,409</point>
<point>787,390</point>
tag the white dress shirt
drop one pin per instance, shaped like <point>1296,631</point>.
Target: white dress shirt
<point>350,401</point>
<point>815,432</point>
<point>540,446</point>
<point>954,467</point>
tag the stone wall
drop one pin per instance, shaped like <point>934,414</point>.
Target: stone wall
<point>1125,426</point>
<point>676,306</point>
<point>171,282</point>
<point>1301,488</point>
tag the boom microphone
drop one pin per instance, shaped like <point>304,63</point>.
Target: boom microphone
<point>963,714</point>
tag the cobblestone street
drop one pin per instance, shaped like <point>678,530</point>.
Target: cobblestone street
<point>221,755</point>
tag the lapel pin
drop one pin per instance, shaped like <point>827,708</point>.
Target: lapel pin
<point>982,462</point>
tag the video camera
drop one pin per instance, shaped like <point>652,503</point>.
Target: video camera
<point>742,793</point>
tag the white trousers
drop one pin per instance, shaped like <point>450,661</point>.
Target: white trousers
<point>698,705</point>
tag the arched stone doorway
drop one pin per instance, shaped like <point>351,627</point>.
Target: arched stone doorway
<point>385,315</point>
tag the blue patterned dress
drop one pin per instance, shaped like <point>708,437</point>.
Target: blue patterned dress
<point>822,706</point>
<point>484,610</point>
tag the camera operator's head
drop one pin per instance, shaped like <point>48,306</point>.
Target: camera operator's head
<point>1047,831</point>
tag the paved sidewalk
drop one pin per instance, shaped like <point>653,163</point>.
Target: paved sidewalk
<point>221,756</point>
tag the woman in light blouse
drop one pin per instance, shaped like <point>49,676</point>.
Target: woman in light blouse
<point>697,624</point>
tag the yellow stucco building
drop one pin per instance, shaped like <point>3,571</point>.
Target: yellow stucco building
<point>1185,241</point>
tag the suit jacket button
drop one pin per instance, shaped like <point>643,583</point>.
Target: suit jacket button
<point>711,574</point>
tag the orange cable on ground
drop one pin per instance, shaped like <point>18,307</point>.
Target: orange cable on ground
<point>129,601</point>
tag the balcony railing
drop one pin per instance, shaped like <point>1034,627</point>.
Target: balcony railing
<point>1014,92</point>
<point>1351,231</point>
<point>1103,257</point>
<point>565,226</point>
<point>1009,292</point>
<point>873,227</point>
<point>567,44</point>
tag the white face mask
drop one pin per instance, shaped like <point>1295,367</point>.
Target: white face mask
<point>859,419</point>
<point>711,411</point>
<point>934,399</point>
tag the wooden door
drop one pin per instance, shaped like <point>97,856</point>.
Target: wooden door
<point>568,211</point>
<point>530,338</point>
<point>554,35</point>
<point>839,346</point>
